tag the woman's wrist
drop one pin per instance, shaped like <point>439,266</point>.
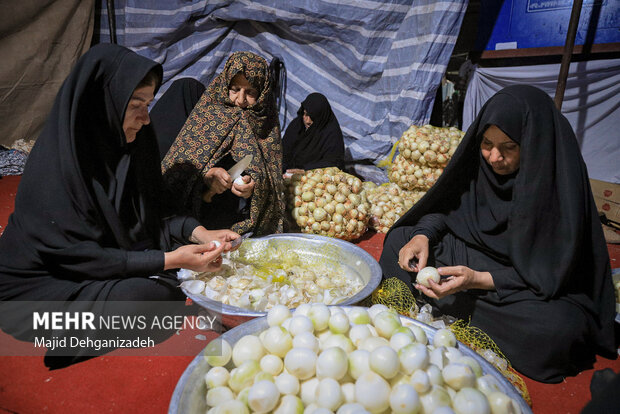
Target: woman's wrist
<point>419,238</point>
<point>483,280</point>
<point>199,235</point>
<point>170,261</point>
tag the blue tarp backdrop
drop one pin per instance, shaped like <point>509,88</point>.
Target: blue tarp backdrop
<point>378,62</point>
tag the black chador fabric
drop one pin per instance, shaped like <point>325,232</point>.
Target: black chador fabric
<point>87,224</point>
<point>536,231</point>
<point>319,146</point>
<point>167,118</point>
<point>172,110</point>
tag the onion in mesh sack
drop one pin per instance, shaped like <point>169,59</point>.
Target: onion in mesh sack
<point>328,202</point>
<point>423,154</point>
<point>387,203</point>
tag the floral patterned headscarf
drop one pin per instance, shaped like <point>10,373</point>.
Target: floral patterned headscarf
<point>217,127</point>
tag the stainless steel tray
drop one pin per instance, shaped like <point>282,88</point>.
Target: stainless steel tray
<point>189,394</point>
<point>346,254</point>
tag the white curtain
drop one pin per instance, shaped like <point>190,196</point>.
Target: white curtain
<point>591,105</point>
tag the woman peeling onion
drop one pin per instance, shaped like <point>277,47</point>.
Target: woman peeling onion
<point>512,227</point>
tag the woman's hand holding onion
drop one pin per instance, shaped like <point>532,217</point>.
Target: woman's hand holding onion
<point>417,249</point>
<point>217,180</point>
<point>459,278</point>
<point>243,186</point>
<point>196,257</point>
<point>201,235</point>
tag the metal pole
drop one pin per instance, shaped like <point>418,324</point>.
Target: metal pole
<point>568,52</point>
<point>111,21</point>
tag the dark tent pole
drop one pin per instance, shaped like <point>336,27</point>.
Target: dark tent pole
<point>568,52</point>
<point>111,21</point>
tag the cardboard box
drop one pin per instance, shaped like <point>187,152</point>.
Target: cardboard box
<point>607,199</point>
<point>605,191</point>
<point>609,208</point>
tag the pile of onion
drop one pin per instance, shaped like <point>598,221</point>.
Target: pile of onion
<point>423,154</point>
<point>319,359</point>
<point>328,202</point>
<point>387,203</point>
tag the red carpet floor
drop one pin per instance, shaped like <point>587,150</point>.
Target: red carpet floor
<point>122,384</point>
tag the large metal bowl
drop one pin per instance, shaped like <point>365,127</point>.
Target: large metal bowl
<point>311,246</point>
<point>191,390</point>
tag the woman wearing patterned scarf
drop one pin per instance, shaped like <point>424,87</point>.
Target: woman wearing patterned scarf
<point>234,118</point>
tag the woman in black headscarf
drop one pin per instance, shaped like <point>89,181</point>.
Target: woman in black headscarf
<point>512,227</point>
<point>87,224</point>
<point>172,110</point>
<point>313,139</point>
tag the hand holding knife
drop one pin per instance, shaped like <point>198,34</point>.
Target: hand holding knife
<point>234,172</point>
<point>239,240</point>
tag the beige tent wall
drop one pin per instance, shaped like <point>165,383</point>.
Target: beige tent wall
<point>40,40</point>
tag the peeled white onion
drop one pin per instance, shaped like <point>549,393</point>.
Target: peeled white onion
<point>500,403</point>
<point>306,340</point>
<point>277,341</point>
<point>444,337</point>
<point>287,384</point>
<point>332,363</point>
<point>300,362</point>
<point>373,392</point>
<point>359,363</point>
<point>352,408</point>
<point>219,395</point>
<point>384,361</point>
<point>420,381</point>
<point>413,357</point>
<point>319,315</point>
<point>263,396</point>
<point>299,324</point>
<point>232,407</point>
<point>218,352</point>
<point>328,394</point>
<point>247,348</point>
<point>427,273</point>
<point>277,315</point>
<point>471,401</point>
<point>386,323</point>
<point>404,399</point>
<point>459,376</point>
<point>239,181</point>
<point>217,377</point>
<point>243,376</point>
<point>271,364</point>
<point>290,404</point>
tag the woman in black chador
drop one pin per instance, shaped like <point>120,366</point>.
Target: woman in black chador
<point>87,224</point>
<point>512,227</point>
<point>313,139</point>
<point>172,110</point>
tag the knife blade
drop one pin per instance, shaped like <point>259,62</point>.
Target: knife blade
<point>236,170</point>
<point>239,240</point>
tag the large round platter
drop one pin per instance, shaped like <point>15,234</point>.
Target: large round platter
<point>351,257</point>
<point>189,394</point>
